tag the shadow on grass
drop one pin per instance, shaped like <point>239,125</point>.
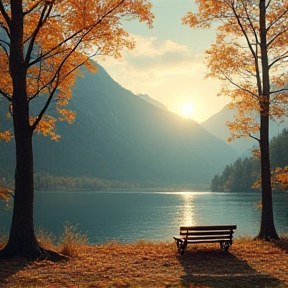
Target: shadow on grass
<point>216,268</point>
<point>282,243</point>
<point>9,267</point>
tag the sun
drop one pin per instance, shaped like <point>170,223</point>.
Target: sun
<point>187,109</point>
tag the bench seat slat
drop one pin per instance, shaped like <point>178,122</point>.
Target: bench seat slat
<point>216,227</point>
<point>214,232</point>
<point>215,240</point>
<point>206,235</point>
<point>207,238</point>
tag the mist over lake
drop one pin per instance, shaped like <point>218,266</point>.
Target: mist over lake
<point>154,216</point>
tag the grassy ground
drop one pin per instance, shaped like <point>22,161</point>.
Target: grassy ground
<point>143,264</point>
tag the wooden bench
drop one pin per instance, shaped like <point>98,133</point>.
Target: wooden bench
<point>205,234</point>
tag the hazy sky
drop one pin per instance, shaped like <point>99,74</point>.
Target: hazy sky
<point>168,62</point>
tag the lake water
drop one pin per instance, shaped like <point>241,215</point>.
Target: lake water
<point>131,216</point>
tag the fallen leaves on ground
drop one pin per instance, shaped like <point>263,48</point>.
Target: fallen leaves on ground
<point>250,263</point>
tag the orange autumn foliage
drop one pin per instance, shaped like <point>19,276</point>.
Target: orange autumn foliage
<point>280,177</point>
<point>5,193</point>
<point>235,57</point>
<point>58,37</point>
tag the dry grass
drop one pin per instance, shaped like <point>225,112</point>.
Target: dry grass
<point>143,264</point>
<point>46,239</point>
<point>71,242</point>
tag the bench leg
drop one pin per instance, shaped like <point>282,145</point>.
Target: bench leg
<point>225,245</point>
<point>178,243</point>
<point>181,246</point>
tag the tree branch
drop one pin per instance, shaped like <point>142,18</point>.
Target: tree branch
<point>2,43</point>
<point>268,4</point>
<point>32,8</point>
<point>281,57</point>
<point>276,37</point>
<point>238,86</point>
<point>41,21</point>
<point>67,74</point>
<point>88,30</point>
<point>57,73</point>
<point>276,20</point>
<point>257,139</point>
<point>5,95</point>
<point>4,13</point>
<point>254,53</point>
<point>5,29</point>
<point>279,91</point>
<point>38,119</point>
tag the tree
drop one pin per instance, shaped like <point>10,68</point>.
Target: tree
<point>43,42</point>
<point>215,183</point>
<point>250,56</point>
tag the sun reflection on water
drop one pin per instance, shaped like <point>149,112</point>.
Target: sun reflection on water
<point>188,213</point>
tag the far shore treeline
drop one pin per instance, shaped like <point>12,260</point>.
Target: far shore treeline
<point>245,171</point>
<point>47,182</point>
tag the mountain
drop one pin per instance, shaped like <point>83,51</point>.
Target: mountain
<point>152,101</point>
<point>119,136</point>
<point>216,125</point>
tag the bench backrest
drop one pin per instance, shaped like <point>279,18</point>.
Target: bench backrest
<point>207,232</point>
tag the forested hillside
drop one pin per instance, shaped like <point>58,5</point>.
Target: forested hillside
<point>119,136</point>
<point>244,172</point>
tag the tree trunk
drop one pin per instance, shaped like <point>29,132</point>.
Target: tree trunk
<point>267,228</point>
<point>22,240</point>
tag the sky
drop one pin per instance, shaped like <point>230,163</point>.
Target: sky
<point>168,62</point>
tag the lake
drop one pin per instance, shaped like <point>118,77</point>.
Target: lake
<point>130,216</point>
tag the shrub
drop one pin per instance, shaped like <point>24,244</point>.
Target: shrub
<point>72,241</point>
<point>46,239</point>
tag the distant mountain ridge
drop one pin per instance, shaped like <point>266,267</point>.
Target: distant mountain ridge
<point>119,136</point>
<point>216,125</point>
<point>153,101</point>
